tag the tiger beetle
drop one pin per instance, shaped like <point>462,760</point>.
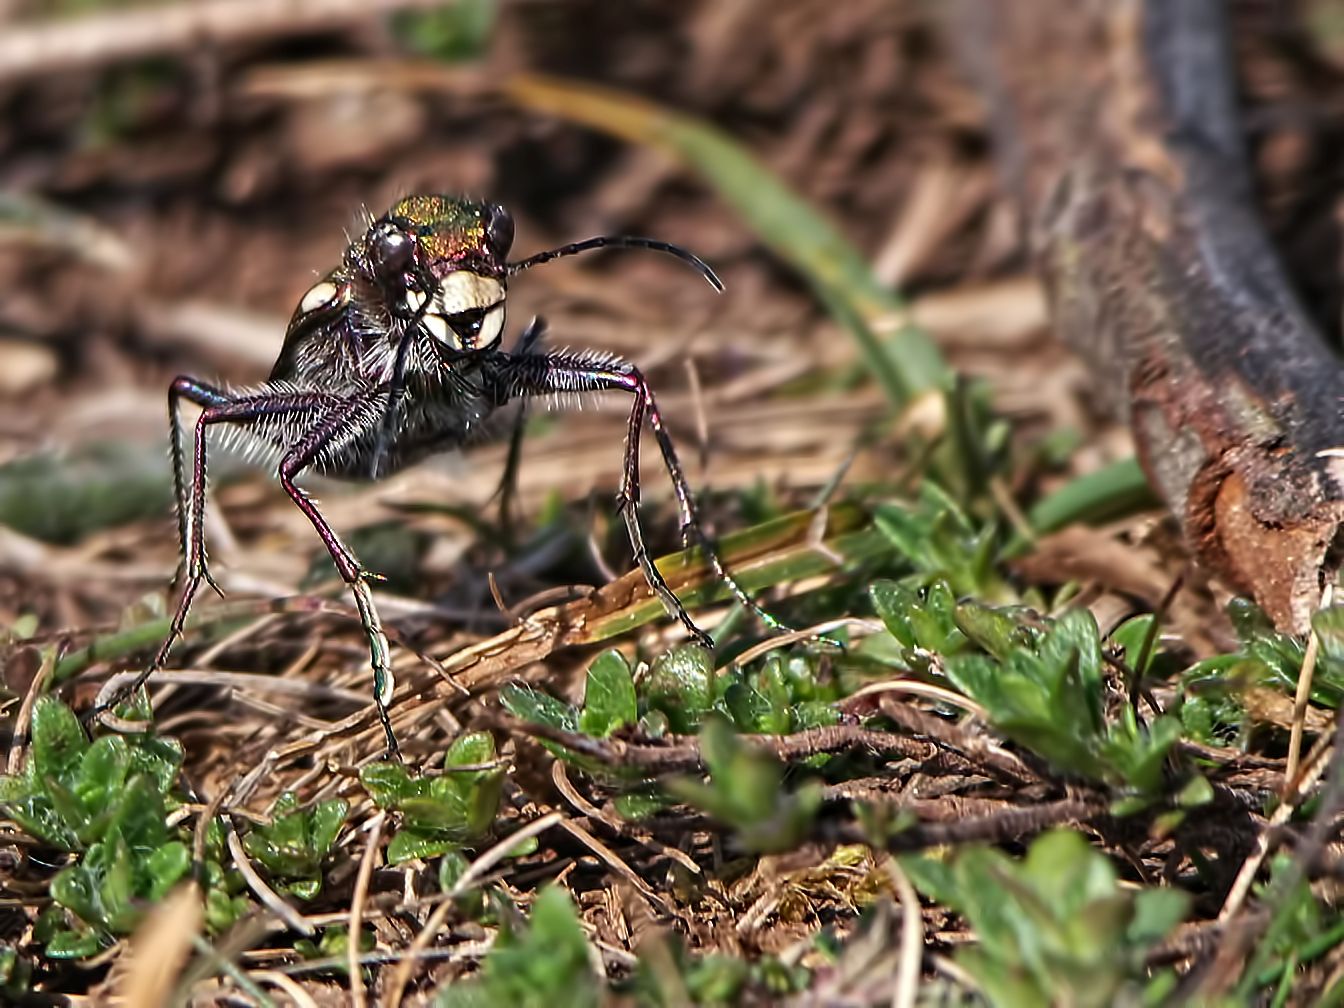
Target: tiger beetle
<point>394,355</point>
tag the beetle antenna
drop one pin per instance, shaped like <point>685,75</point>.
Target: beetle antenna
<point>620,241</point>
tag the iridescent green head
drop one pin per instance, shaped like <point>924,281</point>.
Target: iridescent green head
<point>440,262</point>
<point>451,233</point>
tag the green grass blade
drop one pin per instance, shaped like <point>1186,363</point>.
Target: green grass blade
<point>784,549</point>
<point>906,365</point>
<point>1113,491</point>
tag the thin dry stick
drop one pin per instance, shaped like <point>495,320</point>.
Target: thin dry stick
<point>912,938</point>
<point>52,46</point>
<point>297,994</point>
<point>21,723</point>
<point>240,681</point>
<point>616,864</point>
<point>698,411</point>
<point>1317,760</point>
<point>268,896</point>
<point>560,777</point>
<point>1303,696</point>
<point>929,691</point>
<point>783,640</point>
<point>468,878</point>
<point>216,649</point>
<point>361,893</point>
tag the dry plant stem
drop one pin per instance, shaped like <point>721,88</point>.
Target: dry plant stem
<point>682,753</point>
<point>783,640</point>
<point>560,777</point>
<point>1230,961</point>
<point>616,864</point>
<point>159,947</point>
<point>1295,788</point>
<point>268,896</point>
<point>1303,696</point>
<point>1010,824</point>
<point>291,988</point>
<point>974,755</point>
<point>257,681</point>
<point>912,938</point>
<point>475,871</point>
<point>28,48</point>
<point>357,898</point>
<point>25,717</point>
<point>919,688</point>
<point>1117,129</point>
<point>231,970</point>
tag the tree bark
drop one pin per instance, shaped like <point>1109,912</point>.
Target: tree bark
<point>1117,130</point>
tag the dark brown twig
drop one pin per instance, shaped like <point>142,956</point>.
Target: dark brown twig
<point>95,39</point>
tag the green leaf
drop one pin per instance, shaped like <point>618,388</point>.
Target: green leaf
<point>73,945</point>
<point>1157,912</point>
<point>1053,928</point>
<point>745,791</point>
<point>533,966</point>
<point>1111,492</point>
<point>894,602</point>
<point>387,783</point>
<point>58,741</point>
<point>470,749</point>
<point>165,867</point>
<point>294,845</point>
<point>410,843</point>
<point>680,683</point>
<point>325,824</point>
<point>538,707</point>
<point>609,701</point>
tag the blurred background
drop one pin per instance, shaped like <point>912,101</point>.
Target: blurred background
<point>172,179</point>
<point>162,210</point>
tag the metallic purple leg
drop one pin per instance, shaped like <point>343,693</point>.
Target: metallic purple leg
<point>545,373</point>
<point>219,408</point>
<point>302,455</point>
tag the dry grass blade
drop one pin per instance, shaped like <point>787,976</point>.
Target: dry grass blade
<point>356,918</point>
<point>477,870</point>
<point>159,948</point>
<point>31,48</point>
<point>912,939</point>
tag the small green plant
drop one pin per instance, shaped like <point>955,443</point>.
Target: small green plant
<point>334,944</point>
<point>940,541</point>
<point>16,973</point>
<point>745,790</point>
<point>1040,682</point>
<point>1214,709</point>
<point>293,847</point>
<point>455,33</point>
<point>669,975</point>
<point>70,788</point>
<point>1054,928</point>
<point>226,899</point>
<point>107,801</point>
<point>781,694</point>
<point>442,813</point>
<point>536,965</point>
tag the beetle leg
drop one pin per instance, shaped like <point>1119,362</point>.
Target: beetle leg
<point>220,407</point>
<point>539,374</point>
<point>507,490</point>
<point>346,421</point>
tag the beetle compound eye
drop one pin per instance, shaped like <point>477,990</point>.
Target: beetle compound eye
<point>499,229</point>
<point>390,252</point>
